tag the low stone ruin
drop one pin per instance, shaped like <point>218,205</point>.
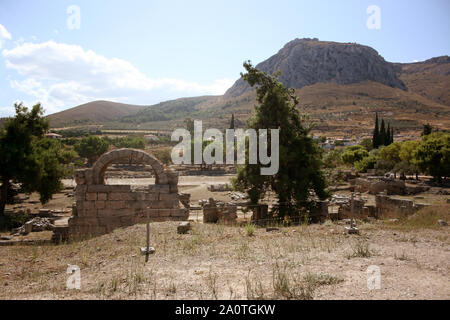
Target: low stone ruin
<point>34,225</point>
<point>386,205</point>
<point>375,185</point>
<point>100,208</point>
<point>219,187</point>
<point>217,211</point>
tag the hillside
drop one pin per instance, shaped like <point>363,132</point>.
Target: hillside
<point>341,85</point>
<point>430,78</point>
<point>93,112</point>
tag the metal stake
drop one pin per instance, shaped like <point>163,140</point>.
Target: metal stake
<point>147,252</point>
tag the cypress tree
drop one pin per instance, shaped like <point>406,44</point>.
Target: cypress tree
<point>382,135</point>
<point>376,133</point>
<point>232,121</point>
<point>388,135</point>
<point>392,135</point>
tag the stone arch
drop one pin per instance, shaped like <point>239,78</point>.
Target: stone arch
<point>133,156</point>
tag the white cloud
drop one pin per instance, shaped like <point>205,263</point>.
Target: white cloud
<point>61,75</point>
<point>4,35</point>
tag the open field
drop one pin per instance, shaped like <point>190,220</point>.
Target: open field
<point>217,261</point>
<point>223,262</point>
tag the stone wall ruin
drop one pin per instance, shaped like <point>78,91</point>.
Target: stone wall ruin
<point>100,208</point>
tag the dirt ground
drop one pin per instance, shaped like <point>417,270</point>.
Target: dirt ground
<point>216,261</point>
<point>236,262</point>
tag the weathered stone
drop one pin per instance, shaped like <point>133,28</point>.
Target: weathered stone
<point>183,227</point>
<point>442,223</point>
<point>91,196</point>
<point>102,196</point>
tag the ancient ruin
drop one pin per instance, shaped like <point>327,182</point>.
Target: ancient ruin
<point>100,208</point>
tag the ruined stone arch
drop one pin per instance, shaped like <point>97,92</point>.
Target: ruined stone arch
<point>132,156</point>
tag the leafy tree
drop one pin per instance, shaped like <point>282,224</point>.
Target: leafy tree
<point>366,163</point>
<point>391,152</point>
<point>408,163</point>
<point>130,142</point>
<point>367,144</point>
<point>300,163</point>
<point>433,155</point>
<point>27,158</point>
<point>333,158</point>
<point>91,147</point>
<point>354,154</point>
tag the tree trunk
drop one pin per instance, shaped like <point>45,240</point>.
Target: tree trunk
<point>3,198</point>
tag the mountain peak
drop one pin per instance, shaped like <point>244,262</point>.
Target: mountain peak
<point>306,61</point>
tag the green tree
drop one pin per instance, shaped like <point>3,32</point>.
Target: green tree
<point>300,163</point>
<point>367,144</point>
<point>433,155</point>
<point>91,147</point>
<point>354,154</point>
<point>382,135</point>
<point>427,129</point>
<point>376,133</point>
<point>332,159</point>
<point>407,154</point>
<point>130,142</point>
<point>366,163</point>
<point>27,158</point>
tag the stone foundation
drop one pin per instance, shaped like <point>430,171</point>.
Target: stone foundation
<point>216,211</point>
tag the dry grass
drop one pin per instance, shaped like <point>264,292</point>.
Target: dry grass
<point>222,262</point>
<point>426,218</point>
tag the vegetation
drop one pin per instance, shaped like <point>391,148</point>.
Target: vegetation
<point>128,142</point>
<point>382,136</point>
<point>29,159</point>
<point>300,164</point>
<point>429,156</point>
<point>354,154</point>
<point>433,155</point>
<point>91,147</point>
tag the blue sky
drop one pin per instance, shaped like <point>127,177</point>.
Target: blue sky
<point>144,52</point>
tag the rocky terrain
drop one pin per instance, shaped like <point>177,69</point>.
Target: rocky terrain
<point>304,62</point>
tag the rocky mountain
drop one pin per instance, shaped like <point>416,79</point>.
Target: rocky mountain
<point>304,62</point>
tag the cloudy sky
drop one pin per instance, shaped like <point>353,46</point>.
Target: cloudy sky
<point>65,53</point>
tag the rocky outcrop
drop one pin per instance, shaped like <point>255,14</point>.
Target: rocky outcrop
<point>304,62</point>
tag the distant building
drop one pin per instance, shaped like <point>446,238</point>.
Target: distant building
<point>53,136</point>
<point>151,137</point>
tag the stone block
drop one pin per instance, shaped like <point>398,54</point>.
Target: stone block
<point>102,196</point>
<point>119,196</point>
<point>91,196</point>
<point>100,204</point>
<point>183,227</point>
<point>108,188</point>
